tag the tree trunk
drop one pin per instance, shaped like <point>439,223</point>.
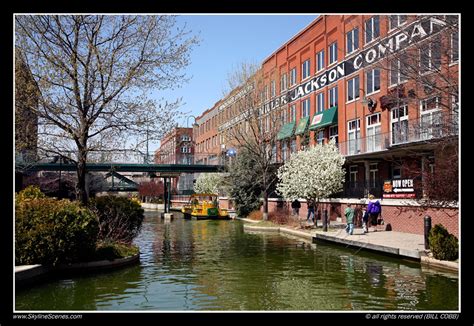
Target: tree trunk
<point>265,206</point>
<point>81,192</point>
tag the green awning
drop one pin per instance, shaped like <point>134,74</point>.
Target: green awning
<point>326,118</point>
<point>286,131</point>
<point>300,129</point>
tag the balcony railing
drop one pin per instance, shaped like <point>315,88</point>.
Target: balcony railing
<point>429,127</point>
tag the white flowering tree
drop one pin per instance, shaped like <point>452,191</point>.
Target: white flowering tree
<point>312,174</point>
<point>208,183</point>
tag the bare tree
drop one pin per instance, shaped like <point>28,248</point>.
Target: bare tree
<point>94,74</point>
<point>255,126</point>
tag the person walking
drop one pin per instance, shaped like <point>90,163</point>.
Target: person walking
<point>311,208</point>
<point>365,220</point>
<point>349,213</point>
<point>374,208</point>
<point>296,205</point>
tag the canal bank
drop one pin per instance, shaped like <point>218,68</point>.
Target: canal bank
<point>397,244</point>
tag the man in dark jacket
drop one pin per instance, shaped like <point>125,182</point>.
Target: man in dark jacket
<point>296,205</point>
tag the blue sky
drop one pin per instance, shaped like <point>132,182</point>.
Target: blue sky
<point>226,41</point>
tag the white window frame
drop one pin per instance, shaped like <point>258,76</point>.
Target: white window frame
<point>452,47</point>
<point>372,73</point>
<point>306,69</point>
<point>332,50</point>
<point>292,116</point>
<point>353,128</point>
<point>428,46</point>
<point>320,136</point>
<point>401,78</point>
<point>320,61</point>
<point>334,133</point>
<point>273,88</point>
<point>354,90</point>
<point>293,76</point>
<point>352,44</point>
<point>305,107</point>
<point>395,119</point>
<point>390,27</point>
<point>283,82</point>
<point>372,27</point>
<point>333,97</point>
<point>433,117</point>
<point>374,141</point>
<point>320,102</point>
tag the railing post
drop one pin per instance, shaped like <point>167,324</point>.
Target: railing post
<point>325,220</point>
<point>427,231</point>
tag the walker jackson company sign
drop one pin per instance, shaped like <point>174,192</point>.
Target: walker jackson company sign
<point>411,34</point>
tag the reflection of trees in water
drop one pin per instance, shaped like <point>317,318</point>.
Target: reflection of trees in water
<point>96,291</point>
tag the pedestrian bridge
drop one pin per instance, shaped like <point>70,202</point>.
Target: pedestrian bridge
<point>128,167</point>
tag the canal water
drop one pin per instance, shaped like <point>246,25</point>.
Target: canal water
<point>215,265</point>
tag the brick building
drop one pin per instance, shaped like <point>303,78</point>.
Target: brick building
<point>177,147</point>
<point>384,87</point>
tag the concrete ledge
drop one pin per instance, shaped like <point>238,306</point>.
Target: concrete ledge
<point>246,220</point>
<point>98,265</point>
<point>261,228</point>
<point>301,234</point>
<point>30,274</point>
<point>451,265</point>
<point>153,207</point>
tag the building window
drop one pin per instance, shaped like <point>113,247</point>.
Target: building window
<point>333,53</point>
<point>372,79</point>
<point>293,113</point>
<point>396,172</point>
<point>284,116</point>
<point>396,20</point>
<point>374,137</point>
<point>305,69</point>
<point>274,153</point>
<point>353,169</point>
<point>353,89</point>
<point>353,136</point>
<point>455,112</point>
<point>455,47</point>
<point>320,60</point>
<point>398,70</point>
<point>430,118</point>
<point>293,145</point>
<point>305,105</point>
<point>352,41</point>
<point>320,102</point>
<point>273,88</point>
<point>283,83</point>
<point>430,55</point>
<point>399,124</point>
<point>333,97</point>
<point>320,136</point>
<point>293,77</point>
<point>333,134</point>
<point>284,150</point>
<point>373,174</point>
<point>372,29</point>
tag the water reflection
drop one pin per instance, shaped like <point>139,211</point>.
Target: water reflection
<point>215,265</point>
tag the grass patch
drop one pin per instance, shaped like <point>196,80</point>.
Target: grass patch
<point>114,250</point>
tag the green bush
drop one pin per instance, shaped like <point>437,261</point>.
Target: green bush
<point>120,219</point>
<point>443,245</point>
<point>30,192</point>
<point>48,230</point>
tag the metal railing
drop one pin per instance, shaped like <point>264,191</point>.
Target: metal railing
<point>428,127</point>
